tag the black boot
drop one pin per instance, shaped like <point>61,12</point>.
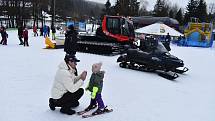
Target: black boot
<point>52,104</point>
<point>103,110</point>
<point>66,110</point>
<point>90,107</point>
<point>74,104</point>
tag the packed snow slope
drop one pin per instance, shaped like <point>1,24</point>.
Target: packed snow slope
<point>27,73</point>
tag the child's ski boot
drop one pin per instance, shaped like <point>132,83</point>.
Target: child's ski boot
<point>90,107</point>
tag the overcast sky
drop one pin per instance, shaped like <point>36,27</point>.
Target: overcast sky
<point>151,3</point>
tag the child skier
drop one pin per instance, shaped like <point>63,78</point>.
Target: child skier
<point>35,31</point>
<point>95,87</point>
<point>4,36</point>
<point>25,35</point>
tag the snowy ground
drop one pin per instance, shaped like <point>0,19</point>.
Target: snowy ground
<point>27,74</point>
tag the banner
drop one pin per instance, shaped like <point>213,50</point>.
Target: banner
<point>70,23</point>
<point>82,26</point>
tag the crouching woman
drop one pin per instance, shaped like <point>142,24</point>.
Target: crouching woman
<point>66,89</point>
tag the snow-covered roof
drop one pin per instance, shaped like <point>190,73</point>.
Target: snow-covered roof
<point>158,29</point>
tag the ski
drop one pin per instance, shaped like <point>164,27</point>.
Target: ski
<point>91,115</point>
<point>86,110</point>
<point>82,112</point>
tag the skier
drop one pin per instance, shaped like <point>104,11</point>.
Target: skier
<point>35,31</point>
<point>25,35</point>
<point>143,43</point>
<point>41,31</point>
<point>48,31</point>
<point>1,30</point>
<point>168,38</point>
<point>53,32</point>
<point>66,89</point>
<point>20,35</point>
<point>95,87</point>
<point>70,45</point>
<point>167,42</point>
<point>4,36</point>
<point>45,31</point>
<point>153,42</point>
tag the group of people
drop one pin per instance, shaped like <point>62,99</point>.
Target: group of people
<point>22,33</point>
<point>66,89</point>
<point>147,43</point>
<point>45,31</point>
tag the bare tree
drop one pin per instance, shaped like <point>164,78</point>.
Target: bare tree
<point>18,12</point>
<point>211,8</point>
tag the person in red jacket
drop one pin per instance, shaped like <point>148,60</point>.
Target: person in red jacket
<point>25,36</point>
<point>4,36</point>
<point>35,31</point>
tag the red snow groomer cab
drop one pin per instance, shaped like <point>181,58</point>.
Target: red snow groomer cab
<point>114,35</point>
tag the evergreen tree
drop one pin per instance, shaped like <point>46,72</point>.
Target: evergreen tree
<point>121,7</point>
<point>191,10</point>
<point>134,7</point>
<point>117,8</point>
<point>124,10</point>
<point>107,8</point>
<point>173,9</point>
<point>179,16</point>
<point>161,8</point>
<point>127,7</point>
<point>202,11</point>
<point>171,14</point>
